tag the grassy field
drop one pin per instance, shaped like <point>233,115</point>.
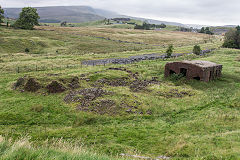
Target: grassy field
<point>143,36</point>
<point>172,117</point>
<point>98,24</point>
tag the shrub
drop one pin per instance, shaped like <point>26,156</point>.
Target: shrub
<point>1,14</point>
<point>63,24</point>
<point>170,51</point>
<point>197,50</point>
<point>27,50</point>
<point>232,38</point>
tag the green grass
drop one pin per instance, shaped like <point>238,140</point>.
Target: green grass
<point>202,126</point>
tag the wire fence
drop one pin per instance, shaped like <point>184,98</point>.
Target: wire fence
<point>39,68</point>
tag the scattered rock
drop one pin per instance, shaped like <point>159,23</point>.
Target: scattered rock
<point>129,111</point>
<point>32,85</point>
<point>149,112</point>
<point>55,87</point>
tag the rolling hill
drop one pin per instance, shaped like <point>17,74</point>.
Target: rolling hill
<point>77,14</point>
<point>72,14</point>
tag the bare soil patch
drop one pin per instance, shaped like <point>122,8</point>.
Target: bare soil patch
<point>55,87</point>
<point>175,93</point>
<point>87,94</point>
<point>32,85</point>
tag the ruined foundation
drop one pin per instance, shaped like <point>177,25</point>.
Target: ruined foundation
<point>199,70</point>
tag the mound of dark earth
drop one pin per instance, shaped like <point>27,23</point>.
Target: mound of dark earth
<point>20,82</point>
<point>32,85</point>
<point>74,84</point>
<point>55,87</point>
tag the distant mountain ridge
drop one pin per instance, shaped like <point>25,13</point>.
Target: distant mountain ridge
<point>71,14</point>
<point>76,14</point>
<point>79,14</point>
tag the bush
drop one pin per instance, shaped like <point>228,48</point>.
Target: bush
<point>1,15</point>
<point>170,51</point>
<point>27,50</point>
<point>232,38</point>
<point>197,50</point>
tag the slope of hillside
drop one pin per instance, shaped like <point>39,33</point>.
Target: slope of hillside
<point>77,14</point>
<point>72,14</point>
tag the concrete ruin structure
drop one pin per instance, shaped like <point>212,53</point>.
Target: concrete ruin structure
<point>199,70</point>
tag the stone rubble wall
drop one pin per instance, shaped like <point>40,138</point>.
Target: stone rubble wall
<point>137,58</point>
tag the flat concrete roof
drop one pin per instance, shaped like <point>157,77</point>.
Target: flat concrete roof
<point>202,64</point>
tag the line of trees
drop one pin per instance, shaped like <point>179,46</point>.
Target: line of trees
<point>206,30</point>
<point>148,26</point>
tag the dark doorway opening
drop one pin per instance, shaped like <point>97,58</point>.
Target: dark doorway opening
<point>172,72</point>
<point>211,76</point>
<point>183,71</point>
<point>197,78</point>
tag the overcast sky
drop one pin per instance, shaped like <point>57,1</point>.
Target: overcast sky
<point>209,12</point>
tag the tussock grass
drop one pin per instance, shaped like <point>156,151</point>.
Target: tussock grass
<point>23,149</point>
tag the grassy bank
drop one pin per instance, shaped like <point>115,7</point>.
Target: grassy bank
<point>23,149</point>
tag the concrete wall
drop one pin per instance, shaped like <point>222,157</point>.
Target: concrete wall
<point>193,71</point>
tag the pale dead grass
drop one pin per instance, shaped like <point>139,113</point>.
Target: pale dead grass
<point>143,36</point>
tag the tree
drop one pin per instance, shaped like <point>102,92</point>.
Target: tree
<point>169,51</point>
<point>202,30</point>
<point>63,24</point>
<point>197,50</point>
<point>163,25</point>
<point>206,30</point>
<point>232,38</point>
<point>146,25</point>
<point>27,18</point>
<point>1,14</point>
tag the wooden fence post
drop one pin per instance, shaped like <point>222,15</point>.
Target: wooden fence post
<point>18,69</point>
